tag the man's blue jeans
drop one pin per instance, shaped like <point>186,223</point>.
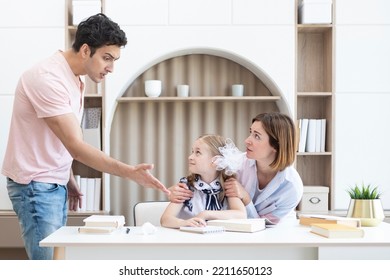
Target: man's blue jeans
<point>41,209</point>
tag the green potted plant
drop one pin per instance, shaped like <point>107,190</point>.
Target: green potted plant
<point>365,204</point>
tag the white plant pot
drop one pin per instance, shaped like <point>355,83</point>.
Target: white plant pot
<point>153,88</point>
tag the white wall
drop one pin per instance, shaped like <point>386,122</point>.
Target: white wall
<point>260,31</point>
<point>362,92</point>
<point>29,32</point>
<point>6,102</point>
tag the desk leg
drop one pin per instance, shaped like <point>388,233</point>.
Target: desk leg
<point>59,253</point>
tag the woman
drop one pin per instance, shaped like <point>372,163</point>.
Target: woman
<point>267,183</point>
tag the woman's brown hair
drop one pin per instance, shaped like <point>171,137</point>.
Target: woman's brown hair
<point>282,137</point>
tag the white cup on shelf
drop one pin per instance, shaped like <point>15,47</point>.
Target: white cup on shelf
<point>153,88</point>
<point>183,90</point>
<point>238,90</point>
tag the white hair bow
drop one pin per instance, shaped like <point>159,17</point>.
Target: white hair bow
<point>230,160</point>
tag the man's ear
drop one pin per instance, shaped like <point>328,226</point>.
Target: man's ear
<point>85,51</point>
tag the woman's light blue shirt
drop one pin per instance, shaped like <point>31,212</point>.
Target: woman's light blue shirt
<point>278,199</point>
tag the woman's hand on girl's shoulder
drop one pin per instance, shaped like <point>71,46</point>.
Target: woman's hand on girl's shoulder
<point>232,187</point>
<point>179,193</point>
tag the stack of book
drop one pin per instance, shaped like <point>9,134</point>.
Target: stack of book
<point>91,188</point>
<point>332,226</point>
<point>337,231</point>
<point>102,224</point>
<point>312,135</point>
<point>309,219</point>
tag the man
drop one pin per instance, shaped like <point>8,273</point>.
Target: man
<point>45,134</point>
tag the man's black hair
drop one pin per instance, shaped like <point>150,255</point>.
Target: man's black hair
<point>98,31</point>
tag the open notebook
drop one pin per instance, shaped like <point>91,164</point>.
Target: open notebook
<point>206,229</point>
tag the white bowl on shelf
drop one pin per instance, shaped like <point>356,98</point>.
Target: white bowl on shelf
<point>153,88</point>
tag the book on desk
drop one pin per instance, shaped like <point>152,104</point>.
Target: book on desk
<point>240,225</point>
<point>309,219</point>
<point>337,231</point>
<point>96,230</point>
<point>102,224</point>
<point>105,221</point>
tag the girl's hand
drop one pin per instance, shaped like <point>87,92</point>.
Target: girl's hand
<point>195,222</point>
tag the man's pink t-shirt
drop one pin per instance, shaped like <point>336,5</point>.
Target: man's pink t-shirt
<point>34,152</point>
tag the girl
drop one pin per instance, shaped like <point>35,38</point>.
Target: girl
<point>212,161</point>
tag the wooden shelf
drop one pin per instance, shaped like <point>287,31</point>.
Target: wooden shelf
<point>314,154</point>
<point>72,29</point>
<point>314,59</point>
<point>93,95</point>
<point>315,98</point>
<point>71,213</point>
<point>314,94</point>
<point>315,28</point>
<point>93,98</point>
<point>7,213</point>
<point>200,98</point>
<point>86,213</point>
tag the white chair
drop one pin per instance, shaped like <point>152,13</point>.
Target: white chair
<point>149,211</point>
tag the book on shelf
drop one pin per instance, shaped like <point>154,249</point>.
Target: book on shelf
<point>318,135</point>
<point>97,194</point>
<point>96,230</point>
<point>78,179</point>
<point>91,188</point>
<point>241,225</point>
<point>202,230</point>
<point>90,124</point>
<point>83,190</point>
<point>323,135</point>
<point>309,219</point>
<point>115,221</point>
<point>312,135</point>
<point>303,123</point>
<point>337,231</point>
<point>90,195</point>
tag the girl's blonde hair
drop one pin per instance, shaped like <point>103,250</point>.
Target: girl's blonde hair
<point>214,142</point>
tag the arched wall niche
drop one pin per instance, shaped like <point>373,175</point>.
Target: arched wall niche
<point>234,60</point>
<point>161,130</point>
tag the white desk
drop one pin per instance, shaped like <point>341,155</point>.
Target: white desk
<point>283,243</point>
